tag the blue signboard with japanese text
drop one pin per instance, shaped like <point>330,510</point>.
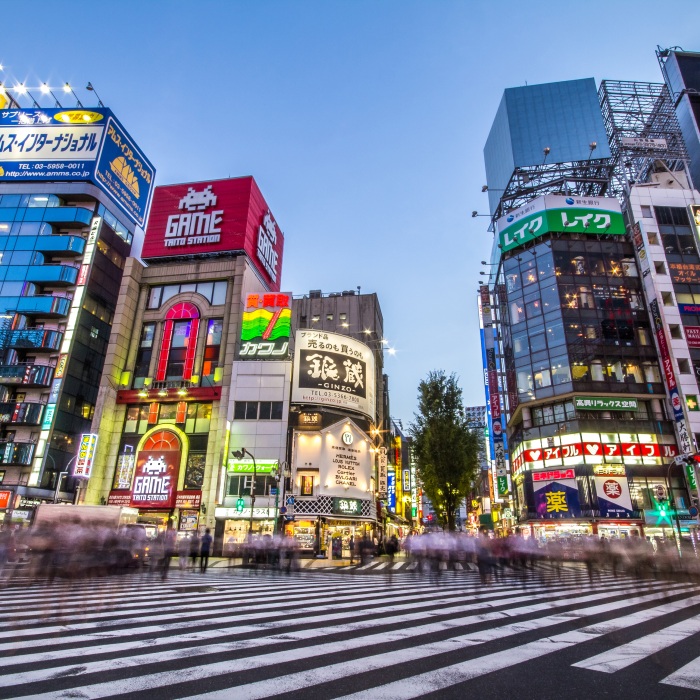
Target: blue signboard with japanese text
<point>391,490</point>
<point>76,145</point>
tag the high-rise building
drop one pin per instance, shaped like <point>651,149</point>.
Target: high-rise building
<point>589,429</point>
<point>74,188</point>
<point>681,71</point>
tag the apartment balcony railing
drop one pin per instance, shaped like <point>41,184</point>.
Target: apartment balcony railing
<point>58,275</point>
<point>25,413</point>
<point>27,375</point>
<point>35,339</point>
<point>16,453</point>
<point>67,245</point>
<point>43,306</point>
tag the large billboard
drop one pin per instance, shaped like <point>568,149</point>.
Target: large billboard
<point>266,327</point>
<point>76,144</point>
<point>333,370</point>
<point>551,212</point>
<point>216,216</point>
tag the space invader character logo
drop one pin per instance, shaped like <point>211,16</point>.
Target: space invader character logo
<point>198,201</point>
<point>155,466</point>
<point>196,226</point>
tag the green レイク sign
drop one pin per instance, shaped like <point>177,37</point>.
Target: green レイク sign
<point>502,485</point>
<point>600,403</point>
<point>586,215</point>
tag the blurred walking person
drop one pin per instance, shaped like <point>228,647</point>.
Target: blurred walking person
<point>205,551</point>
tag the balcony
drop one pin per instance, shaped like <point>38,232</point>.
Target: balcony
<point>27,413</point>
<point>26,375</point>
<point>35,339</point>
<point>56,275</point>
<point>65,245</point>
<point>43,306</point>
<point>16,453</point>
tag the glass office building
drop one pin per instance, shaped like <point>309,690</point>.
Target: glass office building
<point>563,117</point>
<point>589,432</point>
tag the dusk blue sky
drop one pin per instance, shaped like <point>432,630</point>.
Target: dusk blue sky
<point>362,121</point>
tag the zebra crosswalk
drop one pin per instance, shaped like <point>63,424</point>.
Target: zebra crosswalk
<point>246,634</point>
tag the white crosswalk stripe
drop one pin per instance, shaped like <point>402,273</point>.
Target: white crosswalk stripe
<point>257,635</point>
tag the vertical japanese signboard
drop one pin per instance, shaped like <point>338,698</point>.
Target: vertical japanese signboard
<point>86,455</point>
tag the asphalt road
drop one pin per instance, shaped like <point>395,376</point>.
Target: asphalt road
<point>352,634</point>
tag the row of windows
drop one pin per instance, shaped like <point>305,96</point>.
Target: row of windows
<point>563,411</point>
<point>213,292</point>
<point>178,350</point>
<point>30,200</point>
<point>550,372</point>
<point>194,417</point>
<point>257,410</point>
<point>114,223</point>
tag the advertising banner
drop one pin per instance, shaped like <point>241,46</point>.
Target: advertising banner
<point>383,477</point>
<point>684,273</point>
<point>245,466</point>
<point>333,370</point>
<point>5,497</point>
<point>601,403</point>
<point>76,144</point>
<point>217,216</point>
<point>614,500</point>
<point>556,498</point>
<point>155,481</point>
<point>266,326</point>
<point>692,336</point>
<point>343,456</point>
<point>693,309</point>
<point>573,214</point>
<point>188,499</point>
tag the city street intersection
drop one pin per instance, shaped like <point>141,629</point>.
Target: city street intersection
<point>351,634</point>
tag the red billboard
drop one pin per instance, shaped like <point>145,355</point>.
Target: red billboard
<point>217,216</point>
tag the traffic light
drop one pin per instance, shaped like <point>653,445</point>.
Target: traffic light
<point>239,505</point>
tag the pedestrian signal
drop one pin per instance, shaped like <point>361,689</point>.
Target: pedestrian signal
<point>239,505</point>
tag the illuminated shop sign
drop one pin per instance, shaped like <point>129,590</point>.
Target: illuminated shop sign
<point>346,506</point>
<point>333,370</point>
<point>310,420</point>
<point>609,470</point>
<point>382,464</point>
<point>188,499</point>
<point>693,309</point>
<point>266,326</point>
<point>86,455</point>
<point>614,500</point>
<point>684,273</point>
<point>553,475</point>
<point>155,481</point>
<point>246,466</point>
<point>599,403</point>
<point>391,490</point>
<point>586,452</point>
<point>561,214</point>
<point>557,497</point>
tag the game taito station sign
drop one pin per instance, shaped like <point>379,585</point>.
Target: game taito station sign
<point>586,215</point>
<point>600,403</point>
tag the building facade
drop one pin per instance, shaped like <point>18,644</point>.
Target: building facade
<point>71,200</point>
<point>591,428</point>
<point>174,404</point>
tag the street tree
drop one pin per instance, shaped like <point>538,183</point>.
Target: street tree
<point>445,449</point>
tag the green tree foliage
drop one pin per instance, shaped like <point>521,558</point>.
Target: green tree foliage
<point>446,451</point>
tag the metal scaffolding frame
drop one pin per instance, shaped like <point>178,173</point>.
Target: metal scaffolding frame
<point>644,112</point>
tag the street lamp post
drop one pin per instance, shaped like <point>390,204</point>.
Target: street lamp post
<point>238,454</point>
<point>282,473</point>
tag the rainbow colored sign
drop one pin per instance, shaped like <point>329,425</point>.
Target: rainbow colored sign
<point>266,326</point>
